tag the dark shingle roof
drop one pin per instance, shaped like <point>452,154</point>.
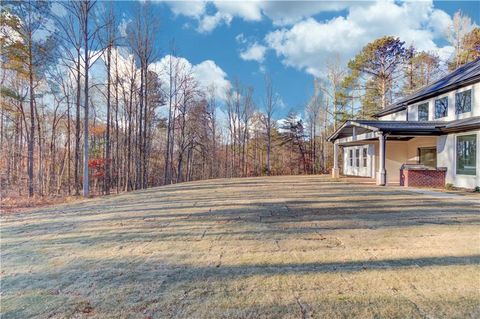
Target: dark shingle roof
<point>405,127</point>
<point>464,75</point>
<point>464,124</point>
<point>401,125</point>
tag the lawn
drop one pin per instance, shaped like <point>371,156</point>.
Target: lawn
<point>279,247</point>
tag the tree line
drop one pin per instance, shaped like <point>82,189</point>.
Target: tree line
<point>87,109</point>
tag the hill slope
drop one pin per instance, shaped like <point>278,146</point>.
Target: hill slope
<point>295,246</point>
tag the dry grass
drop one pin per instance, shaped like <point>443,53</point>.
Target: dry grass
<point>13,203</point>
<point>280,247</point>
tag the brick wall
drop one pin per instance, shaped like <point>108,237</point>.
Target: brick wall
<point>422,178</point>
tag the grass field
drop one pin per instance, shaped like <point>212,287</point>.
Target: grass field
<point>279,247</point>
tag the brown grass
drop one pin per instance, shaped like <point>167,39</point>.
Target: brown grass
<point>16,203</point>
<point>279,247</point>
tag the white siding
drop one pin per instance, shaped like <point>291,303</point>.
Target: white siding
<point>398,116</point>
<point>446,157</point>
<point>413,109</point>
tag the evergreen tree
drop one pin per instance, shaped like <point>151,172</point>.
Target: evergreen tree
<point>375,70</point>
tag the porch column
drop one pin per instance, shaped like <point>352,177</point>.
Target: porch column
<point>382,173</point>
<point>335,170</point>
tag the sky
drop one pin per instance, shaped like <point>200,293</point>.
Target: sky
<point>292,41</point>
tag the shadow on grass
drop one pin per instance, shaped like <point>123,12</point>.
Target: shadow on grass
<point>187,222</point>
<point>266,211</point>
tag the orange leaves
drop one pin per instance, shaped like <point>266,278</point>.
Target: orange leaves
<point>97,130</point>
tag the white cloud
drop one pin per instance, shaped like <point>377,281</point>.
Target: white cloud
<point>439,22</point>
<point>240,38</point>
<point>122,26</point>
<point>247,10</point>
<point>187,8</point>
<point>280,12</point>
<point>207,73</point>
<point>309,43</point>
<point>58,9</point>
<point>255,52</point>
<point>290,12</point>
<point>209,22</point>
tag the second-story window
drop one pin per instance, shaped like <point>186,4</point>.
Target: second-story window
<point>463,102</point>
<point>423,112</point>
<point>441,107</point>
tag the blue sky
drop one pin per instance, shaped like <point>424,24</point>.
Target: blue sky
<point>292,40</point>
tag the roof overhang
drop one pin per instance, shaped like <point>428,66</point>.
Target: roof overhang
<point>361,130</point>
<point>351,128</point>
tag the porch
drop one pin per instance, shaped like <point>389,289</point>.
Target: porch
<point>388,152</point>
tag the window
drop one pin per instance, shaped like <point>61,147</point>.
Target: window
<point>357,158</point>
<point>423,112</point>
<point>467,154</point>
<point>441,107</point>
<point>463,102</point>
<point>427,156</point>
<point>351,157</point>
<point>365,150</point>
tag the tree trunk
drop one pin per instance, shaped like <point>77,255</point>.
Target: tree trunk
<point>76,172</point>
<point>31,140</point>
<point>107,138</point>
<point>86,89</point>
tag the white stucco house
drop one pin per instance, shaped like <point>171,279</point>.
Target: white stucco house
<point>429,138</point>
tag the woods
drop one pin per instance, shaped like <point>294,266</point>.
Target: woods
<point>90,109</point>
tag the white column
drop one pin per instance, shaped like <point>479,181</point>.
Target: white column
<point>336,169</point>
<point>382,173</point>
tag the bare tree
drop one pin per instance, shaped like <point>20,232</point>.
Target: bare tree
<point>461,25</point>
<point>247,113</point>
<point>142,41</point>
<point>71,39</point>
<point>211,113</point>
<point>108,43</point>
<point>270,104</point>
<point>312,112</point>
<point>91,52</point>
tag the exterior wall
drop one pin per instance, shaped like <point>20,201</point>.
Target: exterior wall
<point>398,116</point>
<point>411,114</point>
<point>396,156</point>
<point>413,109</point>
<point>414,144</point>
<point>446,157</point>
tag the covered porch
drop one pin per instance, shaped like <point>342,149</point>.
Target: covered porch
<point>386,151</point>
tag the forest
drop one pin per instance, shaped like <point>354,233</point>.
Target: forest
<point>87,110</point>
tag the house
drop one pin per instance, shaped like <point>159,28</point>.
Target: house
<point>429,138</point>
